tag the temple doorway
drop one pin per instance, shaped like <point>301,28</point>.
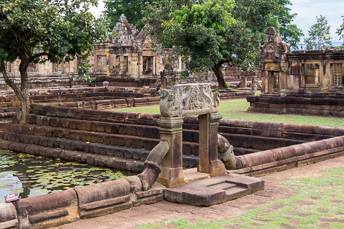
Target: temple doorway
<point>273,82</point>
<point>148,65</point>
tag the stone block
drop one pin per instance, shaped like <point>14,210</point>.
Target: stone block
<point>214,191</point>
<point>104,198</point>
<point>8,216</point>
<point>48,210</point>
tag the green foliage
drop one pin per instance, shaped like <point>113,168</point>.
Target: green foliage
<point>198,31</point>
<point>132,9</point>
<point>36,31</point>
<point>319,35</point>
<point>258,15</point>
<point>84,70</point>
<point>340,31</point>
<point>212,39</point>
<point>39,30</point>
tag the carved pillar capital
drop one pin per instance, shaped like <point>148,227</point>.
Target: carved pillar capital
<point>215,118</point>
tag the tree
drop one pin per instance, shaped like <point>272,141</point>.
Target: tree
<point>340,31</point>
<point>319,35</point>
<point>203,31</point>
<point>132,9</point>
<point>36,31</point>
<point>258,15</point>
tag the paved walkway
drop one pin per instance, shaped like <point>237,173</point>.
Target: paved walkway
<point>168,211</point>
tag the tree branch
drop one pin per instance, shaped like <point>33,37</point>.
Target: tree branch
<point>8,81</point>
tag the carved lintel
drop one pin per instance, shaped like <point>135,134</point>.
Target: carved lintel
<point>188,99</point>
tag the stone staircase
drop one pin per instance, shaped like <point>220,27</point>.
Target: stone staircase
<point>9,106</point>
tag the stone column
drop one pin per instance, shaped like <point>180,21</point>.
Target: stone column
<point>203,148</point>
<point>140,65</point>
<point>171,130</point>
<point>154,65</point>
<point>265,82</point>
<point>133,65</point>
<point>208,155</point>
<point>217,168</point>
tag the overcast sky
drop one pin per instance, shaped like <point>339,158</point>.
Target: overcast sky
<point>306,10</point>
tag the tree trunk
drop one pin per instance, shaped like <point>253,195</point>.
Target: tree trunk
<point>219,75</point>
<point>25,109</point>
<point>24,98</point>
<point>20,92</point>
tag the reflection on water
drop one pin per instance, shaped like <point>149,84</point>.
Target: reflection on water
<point>30,175</point>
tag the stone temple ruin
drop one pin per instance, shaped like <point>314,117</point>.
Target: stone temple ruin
<point>126,68</point>
<point>188,154</point>
<point>185,155</point>
<point>209,184</point>
<point>302,82</point>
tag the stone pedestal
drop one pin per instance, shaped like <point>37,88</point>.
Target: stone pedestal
<point>171,130</point>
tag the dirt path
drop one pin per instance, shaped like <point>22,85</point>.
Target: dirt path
<point>168,211</point>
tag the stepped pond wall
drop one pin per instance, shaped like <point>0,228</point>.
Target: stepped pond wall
<point>124,140</point>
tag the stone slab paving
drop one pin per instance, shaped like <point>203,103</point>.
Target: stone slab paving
<point>274,192</point>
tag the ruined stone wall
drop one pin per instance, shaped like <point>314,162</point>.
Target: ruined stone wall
<point>324,105</point>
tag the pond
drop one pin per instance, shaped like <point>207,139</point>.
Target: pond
<point>29,175</point>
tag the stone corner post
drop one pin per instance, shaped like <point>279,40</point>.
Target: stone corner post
<point>208,155</point>
<point>171,130</point>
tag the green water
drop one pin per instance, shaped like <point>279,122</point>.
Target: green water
<point>29,175</point>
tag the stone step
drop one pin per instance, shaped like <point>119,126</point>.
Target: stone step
<point>242,141</point>
<point>95,126</point>
<point>275,133</point>
<point>7,114</point>
<point>86,147</point>
<point>67,144</point>
<point>121,140</point>
<point>192,175</point>
<point>85,96</point>
<point>77,156</point>
<point>83,136</point>
<point>259,142</point>
<point>215,190</point>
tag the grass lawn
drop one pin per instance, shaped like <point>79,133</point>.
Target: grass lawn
<point>236,110</point>
<point>317,202</point>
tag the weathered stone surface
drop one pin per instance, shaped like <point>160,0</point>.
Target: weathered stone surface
<point>152,165</point>
<point>104,198</point>
<point>188,99</point>
<point>271,158</point>
<point>48,210</point>
<point>213,191</point>
<point>8,216</point>
<point>324,105</point>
